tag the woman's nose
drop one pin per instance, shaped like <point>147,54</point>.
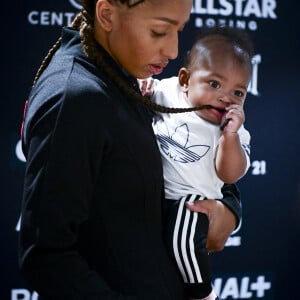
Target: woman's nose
<point>170,49</point>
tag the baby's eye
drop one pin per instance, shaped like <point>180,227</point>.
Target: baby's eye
<point>238,93</point>
<point>214,84</point>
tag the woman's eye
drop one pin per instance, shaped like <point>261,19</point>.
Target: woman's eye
<point>214,84</point>
<point>157,34</point>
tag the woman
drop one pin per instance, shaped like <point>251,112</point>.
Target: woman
<point>91,217</point>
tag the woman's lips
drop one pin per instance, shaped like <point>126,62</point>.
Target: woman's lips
<point>157,69</point>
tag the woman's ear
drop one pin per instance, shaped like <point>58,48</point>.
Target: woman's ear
<point>104,11</point>
<point>183,77</point>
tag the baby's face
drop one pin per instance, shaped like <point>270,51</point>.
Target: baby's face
<point>220,82</point>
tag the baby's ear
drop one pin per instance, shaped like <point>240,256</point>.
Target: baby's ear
<point>183,77</point>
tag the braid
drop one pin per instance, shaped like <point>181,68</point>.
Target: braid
<point>76,23</point>
<point>46,60</point>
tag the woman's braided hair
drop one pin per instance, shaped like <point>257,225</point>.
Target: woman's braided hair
<point>83,22</point>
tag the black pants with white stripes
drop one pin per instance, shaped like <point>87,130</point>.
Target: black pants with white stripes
<point>185,235</point>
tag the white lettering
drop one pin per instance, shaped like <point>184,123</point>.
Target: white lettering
<point>244,290</point>
<point>239,7</point>
<point>259,167</point>
<point>241,24</point>
<point>233,241</point>
<point>199,22</point>
<point>252,88</point>
<point>230,289</point>
<point>197,8</point>
<point>69,17</point>
<point>218,285</point>
<point>32,17</point>
<point>57,18</point>
<point>35,296</point>
<point>210,8</point>
<point>226,9</point>
<point>252,7</point>
<point>252,25</point>
<point>268,8</point>
<point>48,18</point>
<point>44,18</point>
<point>210,22</point>
<point>61,18</point>
<point>244,293</point>
<point>236,8</point>
<point>22,294</point>
<point>260,286</point>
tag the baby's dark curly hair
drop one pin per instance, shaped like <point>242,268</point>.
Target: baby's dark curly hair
<point>237,39</point>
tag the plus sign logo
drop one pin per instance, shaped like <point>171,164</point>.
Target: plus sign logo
<point>76,3</point>
<point>260,286</point>
<point>246,287</point>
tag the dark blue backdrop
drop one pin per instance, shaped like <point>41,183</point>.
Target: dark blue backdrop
<point>260,260</point>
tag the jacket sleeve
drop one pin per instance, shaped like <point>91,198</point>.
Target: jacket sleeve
<point>65,148</point>
<point>232,199</point>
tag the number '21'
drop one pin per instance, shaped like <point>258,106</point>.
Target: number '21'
<point>259,167</point>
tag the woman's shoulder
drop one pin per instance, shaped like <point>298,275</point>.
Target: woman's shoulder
<point>73,78</point>
<point>85,80</point>
<point>70,87</point>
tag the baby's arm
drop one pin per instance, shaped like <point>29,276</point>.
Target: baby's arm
<point>231,159</point>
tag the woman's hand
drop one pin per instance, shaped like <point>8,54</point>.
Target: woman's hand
<point>222,222</point>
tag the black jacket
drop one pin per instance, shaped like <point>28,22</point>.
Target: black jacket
<point>91,216</point>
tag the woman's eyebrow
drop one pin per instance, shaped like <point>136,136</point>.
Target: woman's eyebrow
<point>168,20</point>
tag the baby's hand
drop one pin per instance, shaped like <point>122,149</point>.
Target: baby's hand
<point>146,86</point>
<point>233,119</point>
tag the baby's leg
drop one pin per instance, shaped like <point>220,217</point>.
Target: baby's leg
<point>186,234</point>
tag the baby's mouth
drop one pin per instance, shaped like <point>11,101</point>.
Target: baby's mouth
<point>221,111</point>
